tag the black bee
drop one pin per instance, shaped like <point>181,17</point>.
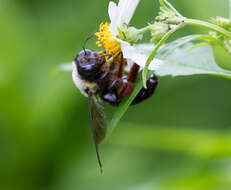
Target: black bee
<point>95,78</point>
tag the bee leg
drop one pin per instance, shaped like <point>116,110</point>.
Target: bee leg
<point>128,82</point>
<point>115,98</point>
<point>152,83</point>
<point>125,90</point>
<point>133,73</point>
<point>120,88</point>
<point>103,80</point>
<point>110,94</point>
<point>111,98</point>
<point>121,68</point>
<point>117,90</point>
<point>116,95</point>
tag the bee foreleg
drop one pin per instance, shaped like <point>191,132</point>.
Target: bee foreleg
<point>133,73</point>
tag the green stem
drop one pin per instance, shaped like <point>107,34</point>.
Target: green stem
<point>162,3</point>
<point>194,22</point>
<point>172,8</point>
<point>153,54</point>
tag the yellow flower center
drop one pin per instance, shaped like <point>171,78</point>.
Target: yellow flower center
<point>106,39</point>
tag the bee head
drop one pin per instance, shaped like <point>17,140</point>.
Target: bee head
<point>89,64</point>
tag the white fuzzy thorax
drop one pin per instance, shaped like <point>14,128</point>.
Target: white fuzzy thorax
<point>77,80</point>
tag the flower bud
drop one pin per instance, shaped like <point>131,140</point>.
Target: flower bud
<point>158,30</point>
<point>223,22</point>
<point>168,17</point>
<point>129,34</point>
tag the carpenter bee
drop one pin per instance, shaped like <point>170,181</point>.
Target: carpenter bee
<point>97,79</point>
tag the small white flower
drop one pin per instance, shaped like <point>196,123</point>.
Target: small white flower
<point>108,34</point>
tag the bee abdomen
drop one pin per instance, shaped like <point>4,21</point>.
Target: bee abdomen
<point>152,83</point>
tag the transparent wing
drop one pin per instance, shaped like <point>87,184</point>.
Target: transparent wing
<point>98,123</point>
<point>99,120</point>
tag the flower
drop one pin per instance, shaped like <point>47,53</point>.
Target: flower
<point>110,37</point>
<point>119,15</point>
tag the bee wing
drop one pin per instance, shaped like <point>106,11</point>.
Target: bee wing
<point>98,119</point>
<point>98,123</point>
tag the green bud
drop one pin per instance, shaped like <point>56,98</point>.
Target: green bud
<point>223,22</point>
<point>129,34</point>
<point>168,17</point>
<point>226,24</point>
<point>158,30</point>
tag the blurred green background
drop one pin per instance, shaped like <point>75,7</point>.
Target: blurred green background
<point>180,139</point>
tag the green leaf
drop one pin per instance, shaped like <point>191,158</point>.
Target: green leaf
<point>167,48</point>
<point>178,62</point>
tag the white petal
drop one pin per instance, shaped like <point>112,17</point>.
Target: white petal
<point>76,79</point>
<point>140,58</point>
<point>121,13</point>
<point>126,9</point>
<point>112,11</point>
<point>113,14</point>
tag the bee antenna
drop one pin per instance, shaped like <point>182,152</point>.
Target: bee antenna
<point>85,41</point>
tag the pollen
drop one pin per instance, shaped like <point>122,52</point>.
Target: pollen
<point>106,39</point>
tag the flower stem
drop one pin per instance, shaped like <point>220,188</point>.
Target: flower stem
<point>171,7</point>
<point>153,54</point>
<point>194,22</point>
<point>162,3</point>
